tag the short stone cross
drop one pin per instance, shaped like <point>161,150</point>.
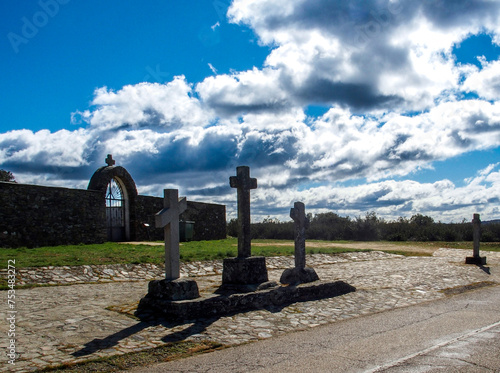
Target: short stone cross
<point>168,218</point>
<point>299,274</point>
<point>109,160</point>
<point>243,182</point>
<point>298,214</point>
<point>476,234</point>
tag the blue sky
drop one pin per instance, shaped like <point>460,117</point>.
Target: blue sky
<point>389,106</point>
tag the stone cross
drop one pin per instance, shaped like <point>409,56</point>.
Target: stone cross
<point>243,182</point>
<point>476,233</point>
<point>109,160</point>
<point>300,274</point>
<point>298,214</point>
<point>168,218</point>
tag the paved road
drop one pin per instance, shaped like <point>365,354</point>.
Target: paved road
<point>455,334</point>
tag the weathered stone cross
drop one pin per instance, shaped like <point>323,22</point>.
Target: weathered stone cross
<point>243,182</point>
<point>109,160</point>
<point>300,273</point>
<point>168,218</point>
<point>298,214</point>
<point>476,234</point>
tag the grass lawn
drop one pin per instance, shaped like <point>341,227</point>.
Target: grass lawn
<point>118,253</point>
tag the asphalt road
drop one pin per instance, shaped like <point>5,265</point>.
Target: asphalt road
<point>456,334</point>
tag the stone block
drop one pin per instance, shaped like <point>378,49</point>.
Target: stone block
<point>173,290</point>
<point>478,260</point>
<point>217,305</point>
<point>294,276</point>
<point>244,271</point>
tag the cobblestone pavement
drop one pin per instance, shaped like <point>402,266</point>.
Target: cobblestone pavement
<point>60,324</point>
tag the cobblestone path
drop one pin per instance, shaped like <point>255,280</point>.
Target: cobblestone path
<point>58,324</point>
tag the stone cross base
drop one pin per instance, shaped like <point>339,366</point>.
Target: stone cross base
<point>478,260</point>
<point>244,271</point>
<point>172,290</point>
<point>217,305</point>
<point>295,276</point>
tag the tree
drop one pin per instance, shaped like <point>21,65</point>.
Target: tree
<point>421,220</point>
<point>423,228</point>
<point>367,229</point>
<point>328,226</point>
<point>7,176</point>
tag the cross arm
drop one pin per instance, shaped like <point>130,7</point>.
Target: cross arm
<point>298,214</point>
<point>167,215</point>
<point>233,182</point>
<point>247,184</point>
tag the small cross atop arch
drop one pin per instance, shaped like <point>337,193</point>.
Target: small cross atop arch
<point>109,160</point>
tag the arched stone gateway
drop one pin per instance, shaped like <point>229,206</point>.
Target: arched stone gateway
<point>120,195</point>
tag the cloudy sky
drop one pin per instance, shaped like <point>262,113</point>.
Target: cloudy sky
<point>390,106</point>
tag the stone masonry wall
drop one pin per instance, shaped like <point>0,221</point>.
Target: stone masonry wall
<point>32,215</point>
<point>145,209</point>
<point>210,219</point>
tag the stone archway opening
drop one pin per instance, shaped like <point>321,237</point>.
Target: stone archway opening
<point>117,217</point>
<point>119,192</point>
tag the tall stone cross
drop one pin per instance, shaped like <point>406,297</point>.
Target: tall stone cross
<point>243,183</point>
<point>476,234</point>
<point>168,218</point>
<point>298,214</point>
<point>109,160</point>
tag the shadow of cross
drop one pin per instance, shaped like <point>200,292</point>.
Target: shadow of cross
<point>168,218</point>
<point>243,183</point>
<point>111,340</point>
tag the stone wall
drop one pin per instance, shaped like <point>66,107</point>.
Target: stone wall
<point>209,219</point>
<point>145,209</point>
<point>32,215</point>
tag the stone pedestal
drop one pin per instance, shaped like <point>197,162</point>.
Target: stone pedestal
<point>478,260</point>
<point>244,271</point>
<point>295,276</point>
<point>214,305</point>
<point>173,290</point>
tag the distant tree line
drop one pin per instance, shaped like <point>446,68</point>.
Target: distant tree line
<point>330,226</point>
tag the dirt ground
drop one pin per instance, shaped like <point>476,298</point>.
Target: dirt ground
<point>429,250</point>
<point>362,246</point>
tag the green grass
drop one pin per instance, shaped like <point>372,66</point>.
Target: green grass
<point>107,253</point>
<point>117,253</point>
